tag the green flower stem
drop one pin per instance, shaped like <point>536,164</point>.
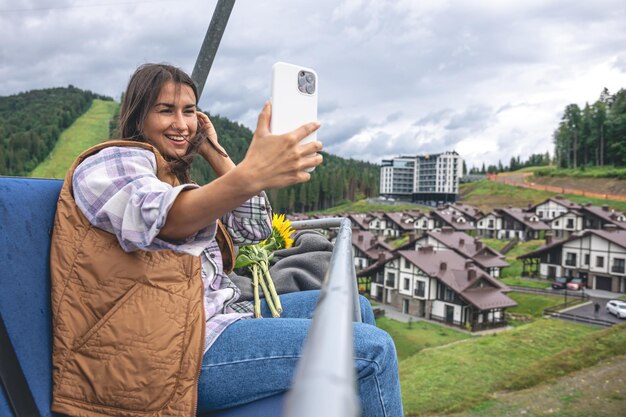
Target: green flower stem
<point>268,298</point>
<point>270,285</point>
<point>255,288</point>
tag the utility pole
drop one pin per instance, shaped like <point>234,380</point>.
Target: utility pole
<point>211,43</point>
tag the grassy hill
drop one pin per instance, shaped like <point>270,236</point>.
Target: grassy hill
<point>89,129</point>
<point>460,376</point>
<point>488,195</point>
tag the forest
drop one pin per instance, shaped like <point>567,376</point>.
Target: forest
<point>32,122</point>
<point>594,135</point>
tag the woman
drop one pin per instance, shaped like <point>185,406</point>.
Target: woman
<point>144,315</point>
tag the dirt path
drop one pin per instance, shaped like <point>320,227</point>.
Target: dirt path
<point>606,188</point>
<point>599,391</point>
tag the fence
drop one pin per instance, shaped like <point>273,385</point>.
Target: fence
<point>565,293</point>
<point>555,313</point>
<point>520,182</point>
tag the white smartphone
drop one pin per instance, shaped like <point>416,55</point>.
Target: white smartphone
<point>294,98</point>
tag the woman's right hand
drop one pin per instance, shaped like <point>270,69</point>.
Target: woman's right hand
<point>276,161</point>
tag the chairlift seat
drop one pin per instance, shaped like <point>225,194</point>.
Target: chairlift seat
<point>27,208</point>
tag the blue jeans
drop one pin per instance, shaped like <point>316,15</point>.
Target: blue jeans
<point>256,358</point>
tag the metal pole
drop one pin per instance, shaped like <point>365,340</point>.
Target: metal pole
<point>325,379</point>
<point>211,43</point>
<point>331,223</point>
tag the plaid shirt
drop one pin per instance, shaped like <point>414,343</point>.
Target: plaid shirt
<point>118,191</point>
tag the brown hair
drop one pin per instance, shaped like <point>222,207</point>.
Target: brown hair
<point>141,94</point>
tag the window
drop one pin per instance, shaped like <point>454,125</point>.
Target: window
<point>570,223</point>
<point>407,284</point>
<point>448,294</point>
<point>420,289</point>
<point>570,259</point>
<point>618,265</point>
<point>600,261</point>
<point>490,224</point>
<point>391,279</point>
<point>407,264</point>
<point>586,259</point>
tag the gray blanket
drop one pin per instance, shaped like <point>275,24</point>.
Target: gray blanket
<point>299,268</point>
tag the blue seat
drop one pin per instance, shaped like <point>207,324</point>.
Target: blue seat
<point>27,208</point>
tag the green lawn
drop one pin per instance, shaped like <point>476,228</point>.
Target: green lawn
<point>533,304</point>
<point>514,270</point>
<point>89,129</point>
<point>496,244</point>
<point>456,377</point>
<point>526,282</point>
<point>362,206</point>
<point>419,335</point>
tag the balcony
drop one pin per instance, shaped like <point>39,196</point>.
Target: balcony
<point>570,262</point>
<point>419,293</point>
<point>390,283</point>
<point>617,269</point>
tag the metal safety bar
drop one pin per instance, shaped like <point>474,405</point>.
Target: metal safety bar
<point>325,379</point>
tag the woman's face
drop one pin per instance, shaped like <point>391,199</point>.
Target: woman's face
<point>172,122</point>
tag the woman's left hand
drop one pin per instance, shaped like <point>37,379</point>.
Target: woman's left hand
<point>210,149</point>
<point>211,144</point>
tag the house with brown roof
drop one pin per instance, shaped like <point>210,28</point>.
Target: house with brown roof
<point>553,207</point>
<point>447,218</point>
<point>471,213</point>
<point>483,256</point>
<point>423,222</point>
<point>359,221</point>
<point>596,217</point>
<point>366,248</point>
<point>544,262</point>
<point>442,286</point>
<point>398,224</point>
<point>520,224</point>
<point>566,224</point>
<point>489,225</point>
<point>598,257</point>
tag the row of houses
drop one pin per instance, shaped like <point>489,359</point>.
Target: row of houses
<point>444,271</point>
<point>557,215</point>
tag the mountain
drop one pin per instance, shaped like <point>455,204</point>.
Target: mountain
<point>31,124</point>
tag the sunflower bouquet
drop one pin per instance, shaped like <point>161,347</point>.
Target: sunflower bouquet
<point>257,259</point>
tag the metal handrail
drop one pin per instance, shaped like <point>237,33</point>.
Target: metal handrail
<point>326,367</point>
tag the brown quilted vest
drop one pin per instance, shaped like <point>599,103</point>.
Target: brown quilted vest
<point>128,328</point>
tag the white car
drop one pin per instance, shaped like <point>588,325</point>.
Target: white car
<point>617,307</point>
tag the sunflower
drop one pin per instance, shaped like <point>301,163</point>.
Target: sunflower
<point>282,231</point>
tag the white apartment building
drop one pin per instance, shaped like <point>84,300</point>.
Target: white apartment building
<point>424,178</point>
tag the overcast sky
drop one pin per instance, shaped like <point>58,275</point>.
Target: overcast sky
<point>488,79</point>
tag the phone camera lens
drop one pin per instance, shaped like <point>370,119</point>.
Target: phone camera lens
<point>310,88</point>
<point>309,77</point>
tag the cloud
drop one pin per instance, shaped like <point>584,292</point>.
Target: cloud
<point>487,78</point>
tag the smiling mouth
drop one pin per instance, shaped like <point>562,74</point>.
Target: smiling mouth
<point>177,138</point>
